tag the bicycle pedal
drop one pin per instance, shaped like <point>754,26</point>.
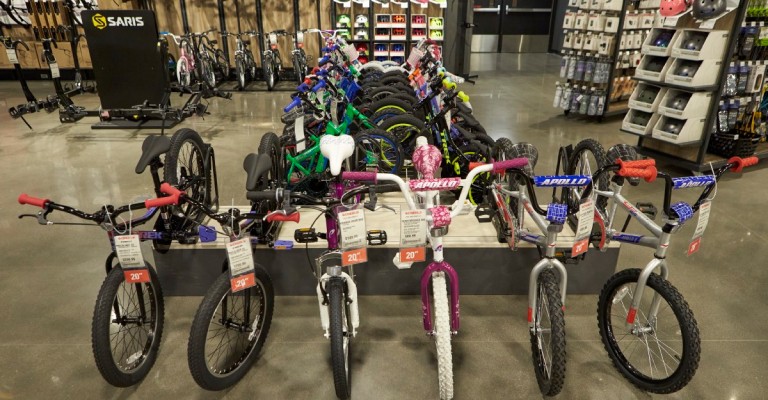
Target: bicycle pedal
<point>283,245</point>
<point>484,213</point>
<point>376,237</point>
<point>305,235</point>
<point>648,209</point>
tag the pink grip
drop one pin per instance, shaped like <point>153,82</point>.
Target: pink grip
<point>295,217</point>
<point>33,201</point>
<point>441,216</point>
<point>501,166</point>
<point>360,176</point>
<point>742,162</point>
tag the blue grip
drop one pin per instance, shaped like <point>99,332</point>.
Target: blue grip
<point>318,86</point>
<point>683,210</point>
<point>323,61</point>
<point>164,32</point>
<point>296,102</point>
<point>557,213</point>
<point>302,88</point>
<point>692,181</point>
<point>322,72</point>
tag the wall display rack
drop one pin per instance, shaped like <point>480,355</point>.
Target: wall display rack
<point>703,102</point>
<point>601,50</point>
<point>383,31</point>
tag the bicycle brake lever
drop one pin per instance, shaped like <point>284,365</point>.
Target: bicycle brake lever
<point>40,217</point>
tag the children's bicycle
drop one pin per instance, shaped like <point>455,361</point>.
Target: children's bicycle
<point>422,194</point>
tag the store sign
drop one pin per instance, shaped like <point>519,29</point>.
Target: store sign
<point>101,22</point>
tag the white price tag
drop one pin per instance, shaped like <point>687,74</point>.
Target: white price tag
<point>708,24</point>
<point>423,5</point>
<point>671,22</point>
<point>352,227</point>
<point>413,228</point>
<point>704,210</point>
<point>128,249</point>
<point>241,264</point>
<point>55,70</point>
<point>12,56</point>
<point>298,133</point>
<point>404,4</point>
<point>583,231</point>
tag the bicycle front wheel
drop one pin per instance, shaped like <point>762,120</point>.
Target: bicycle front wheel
<point>340,338</point>
<point>657,353</point>
<point>548,336</point>
<point>127,327</point>
<point>229,330</point>
<point>442,335</point>
<point>375,148</point>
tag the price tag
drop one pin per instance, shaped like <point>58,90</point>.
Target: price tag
<point>356,256</point>
<point>55,70</point>
<point>352,227</point>
<point>583,231</point>
<point>12,56</point>
<point>704,210</point>
<point>444,4</point>
<point>404,4</point>
<point>298,133</point>
<point>708,24</point>
<point>671,22</point>
<point>241,266</point>
<point>423,5</point>
<point>413,254</point>
<point>413,235</point>
<point>128,250</point>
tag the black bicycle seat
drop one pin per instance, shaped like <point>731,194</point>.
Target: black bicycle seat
<point>152,148</point>
<point>255,165</point>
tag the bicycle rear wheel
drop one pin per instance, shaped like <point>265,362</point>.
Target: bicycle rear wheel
<point>209,74</point>
<point>587,157</point>
<point>340,338</point>
<point>403,127</point>
<point>442,335</point>
<point>548,336</point>
<point>269,73</point>
<point>240,71</point>
<point>657,354</point>
<point>378,149</point>
<point>127,328</point>
<point>188,167</point>
<point>229,330</point>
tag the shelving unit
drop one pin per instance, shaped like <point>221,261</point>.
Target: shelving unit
<point>601,50</point>
<point>686,124</point>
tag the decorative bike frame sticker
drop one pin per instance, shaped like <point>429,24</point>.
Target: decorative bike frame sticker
<point>562,180</point>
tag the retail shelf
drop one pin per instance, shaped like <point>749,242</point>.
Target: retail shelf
<point>679,87</point>
<point>617,108</point>
<point>634,133</point>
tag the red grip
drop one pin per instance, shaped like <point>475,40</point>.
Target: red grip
<point>639,164</point>
<point>501,166</point>
<point>740,163</point>
<point>170,190</point>
<point>649,173</point>
<point>33,201</point>
<point>475,164</point>
<point>360,176</point>
<point>162,201</point>
<point>295,217</point>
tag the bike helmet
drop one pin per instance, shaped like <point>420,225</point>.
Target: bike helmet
<point>398,19</point>
<point>419,19</point>
<point>640,118</point>
<point>670,8</point>
<point>398,47</point>
<point>663,38</point>
<point>361,21</point>
<point>694,41</point>
<point>679,102</point>
<point>708,9</point>
<point>436,23</point>
<point>362,58</point>
<point>687,68</point>
<point>656,64</point>
<point>648,94</point>
<point>343,21</point>
<point>525,150</point>
<point>437,35</point>
<point>362,48</point>
<point>673,126</point>
<point>623,152</point>
<point>381,47</point>
<point>418,32</point>
<point>361,34</point>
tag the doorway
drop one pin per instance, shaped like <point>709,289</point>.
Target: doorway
<point>511,26</point>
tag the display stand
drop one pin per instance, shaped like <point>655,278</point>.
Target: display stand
<point>484,265</point>
<point>682,137</point>
<point>601,50</point>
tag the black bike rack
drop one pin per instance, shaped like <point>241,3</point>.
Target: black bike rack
<point>79,86</point>
<point>33,105</point>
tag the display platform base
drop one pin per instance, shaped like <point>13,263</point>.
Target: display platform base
<point>128,124</point>
<point>485,266</point>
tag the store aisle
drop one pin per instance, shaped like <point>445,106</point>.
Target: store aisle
<point>50,275</point>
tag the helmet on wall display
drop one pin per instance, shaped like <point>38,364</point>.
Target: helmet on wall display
<point>648,95</point>
<point>343,21</point>
<point>361,21</point>
<point>687,68</point>
<point>670,8</point>
<point>673,126</point>
<point>641,118</point>
<point>663,38</point>
<point>708,9</point>
<point>679,102</point>
<point>656,64</point>
<point>694,41</point>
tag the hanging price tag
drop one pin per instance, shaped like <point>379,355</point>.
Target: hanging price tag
<point>55,70</point>
<point>241,266</point>
<point>12,56</point>
<point>584,229</point>
<point>128,250</point>
<point>704,210</point>
<point>413,235</point>
<point>352,257</point>
<point>353,237</point>
<point>298,133</point>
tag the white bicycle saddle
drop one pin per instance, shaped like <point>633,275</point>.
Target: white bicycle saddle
<point>336,149</point>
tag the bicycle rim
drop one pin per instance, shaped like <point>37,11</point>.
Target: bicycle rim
<point>131,332</point>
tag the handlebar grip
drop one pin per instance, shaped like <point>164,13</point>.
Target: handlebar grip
<point>319,85</point>
<point>638,164</point>
<point>162,201</point>
<point>360,176</point>
<point>323,61</point>
<point>170,190</point>
<point>475,164</point>
<point>648,174</point>
<point>448,84</point>
<point>740,163</point>
<point>294,217</point>
<point>501,166</point>
<point>33,201</point>
<point>261,195</point>
<point>295,103</point>
<point>463,96</point>
<point>303,87</point>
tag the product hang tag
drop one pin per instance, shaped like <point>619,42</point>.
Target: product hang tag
<point>413,235</point>
<point>55,70</point>
<point>298,133</point>
<point>128,250</point>
<point>704,210</point>
<point>241,265</point>
<point>708,24</point>
<point>584,229</point>
<point>353,237</point>
<point>334,111</point>
<point>12,56</point>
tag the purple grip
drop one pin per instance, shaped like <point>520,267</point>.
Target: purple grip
<point>502,166</point>
<point>360,176</point>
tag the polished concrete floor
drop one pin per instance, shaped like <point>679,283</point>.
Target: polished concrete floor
<point>50,275</point>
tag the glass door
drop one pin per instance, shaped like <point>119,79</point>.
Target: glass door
<point>511,26</point>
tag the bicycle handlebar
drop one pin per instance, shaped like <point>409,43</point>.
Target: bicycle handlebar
<point>33,201</point>
<point>739,163</point>
<point>649,174</point>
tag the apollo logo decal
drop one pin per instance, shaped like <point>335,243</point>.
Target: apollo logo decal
<point>101,22</point>
<point>564,180</point>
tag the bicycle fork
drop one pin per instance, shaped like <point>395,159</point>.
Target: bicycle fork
<point>548,262</point>
<point>439,266</point>
<point>659,262</point>
<point>350,300</point>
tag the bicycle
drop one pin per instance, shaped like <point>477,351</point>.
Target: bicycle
<point>446,311</point>
<point>270,60</point>
<point>625,310</point>
<point>299,56</point>
<point>185,64</point>
<point>245,64</point>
